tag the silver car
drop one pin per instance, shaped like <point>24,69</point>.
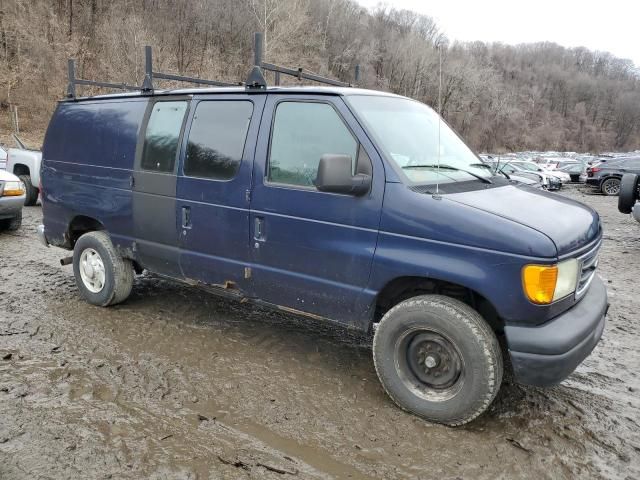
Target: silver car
<point>12,197</point>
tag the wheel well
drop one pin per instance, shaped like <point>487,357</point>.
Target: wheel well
<point>20,169</point>
<point>402,288</point>
<point>80,225</point>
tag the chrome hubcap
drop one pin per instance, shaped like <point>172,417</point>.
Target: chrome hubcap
<point>92,270</point>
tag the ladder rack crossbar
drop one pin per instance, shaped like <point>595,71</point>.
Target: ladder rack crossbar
<point>255,80</point>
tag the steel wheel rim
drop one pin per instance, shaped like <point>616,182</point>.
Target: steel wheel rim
<point>612,188</point>
<point>417,366</point>
<point>92,270</point>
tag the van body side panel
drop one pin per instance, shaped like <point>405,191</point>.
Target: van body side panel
<point>314,250</point>
<point>88,156</point>
<point>214,243</point>
<point>426,237</point>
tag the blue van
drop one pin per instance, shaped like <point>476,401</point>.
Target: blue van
<point>347,205</point>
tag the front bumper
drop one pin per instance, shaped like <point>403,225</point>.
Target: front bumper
<point>11,206</point>
<point>547,354</point>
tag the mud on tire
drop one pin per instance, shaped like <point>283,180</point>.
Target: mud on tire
<point>437,358</point>
<point>118,271</point>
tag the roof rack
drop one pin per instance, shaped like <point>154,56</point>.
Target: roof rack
<point>255,80</point>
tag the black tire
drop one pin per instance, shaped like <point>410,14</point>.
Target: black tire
<point>468,344</point>
<point>628,192</point>
<point>15,223</point>
<point>118,271</point>
<point>31,191</point>
<point>610,187</point>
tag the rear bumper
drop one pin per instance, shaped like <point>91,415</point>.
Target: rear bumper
<point>547,354</point>
<point>11,206</point>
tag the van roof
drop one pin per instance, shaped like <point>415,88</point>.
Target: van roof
<point>318,90</point>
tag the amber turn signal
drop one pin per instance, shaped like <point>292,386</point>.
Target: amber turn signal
<point>13,189</point>
<point>539,282</point>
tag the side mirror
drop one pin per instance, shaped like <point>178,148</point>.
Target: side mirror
<point>335,176</point>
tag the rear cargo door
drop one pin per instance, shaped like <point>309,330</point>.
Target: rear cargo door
<point>154,185</point>
<point>213,193</point>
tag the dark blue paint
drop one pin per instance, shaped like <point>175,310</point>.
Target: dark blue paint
<point>215,247</point>
<point>321,253</point>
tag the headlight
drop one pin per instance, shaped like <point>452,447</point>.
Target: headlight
<point>13,189</point>
<point>544,284</point>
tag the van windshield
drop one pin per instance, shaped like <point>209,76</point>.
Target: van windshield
<point>407,132</point>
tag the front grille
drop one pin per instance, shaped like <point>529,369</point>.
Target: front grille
<point>588,265</point>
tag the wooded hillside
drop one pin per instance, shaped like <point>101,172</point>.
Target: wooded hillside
<point>500,98</point>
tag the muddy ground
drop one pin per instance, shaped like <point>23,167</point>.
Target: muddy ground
<point>178,384</point>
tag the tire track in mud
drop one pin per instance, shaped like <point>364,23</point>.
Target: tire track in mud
<point>176,383</point>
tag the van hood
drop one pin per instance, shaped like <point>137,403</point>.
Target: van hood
<point>569,224</point>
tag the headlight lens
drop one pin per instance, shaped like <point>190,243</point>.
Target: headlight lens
<point>544,284</point>
<point>567,278</point>
<point>13,189</point>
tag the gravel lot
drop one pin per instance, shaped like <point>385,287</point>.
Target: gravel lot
<point>176,383</point>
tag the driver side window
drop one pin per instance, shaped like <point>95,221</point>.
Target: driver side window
<point>302,133</point>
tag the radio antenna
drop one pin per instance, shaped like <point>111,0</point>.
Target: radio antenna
<point>439,115</point>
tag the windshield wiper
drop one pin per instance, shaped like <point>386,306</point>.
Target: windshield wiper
<point>493,172</point>
<point>449,167</point>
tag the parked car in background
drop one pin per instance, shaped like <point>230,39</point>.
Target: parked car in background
<point>548,163</point>
<point>532,179</point>
<point>549,179</point>
<point>574,170</point>
<point>629,195</point>
<point>12,197</point>
<point>606,177</point>
<point>25,163</point>
<point>3,158</point>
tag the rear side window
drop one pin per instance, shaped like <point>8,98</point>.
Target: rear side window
<point>302,133</point>
<point>216,139</point>
<point>162,136</point>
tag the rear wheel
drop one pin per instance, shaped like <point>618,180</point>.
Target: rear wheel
<point>31,191</point>
<point>102,275</point>
<point>611,186</point>
<point>437,358</point>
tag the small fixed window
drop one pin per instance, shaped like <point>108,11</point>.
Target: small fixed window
<point>302,133</point>
<point>216,139</point>
<point>162,136</point>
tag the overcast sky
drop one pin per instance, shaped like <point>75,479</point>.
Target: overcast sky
<point>610,25</point>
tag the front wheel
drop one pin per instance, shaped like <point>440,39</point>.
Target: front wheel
<point>102,275</point>
<point>437,358</point>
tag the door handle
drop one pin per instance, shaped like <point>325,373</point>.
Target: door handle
<point>186,217</point>
<point>258,228</point>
